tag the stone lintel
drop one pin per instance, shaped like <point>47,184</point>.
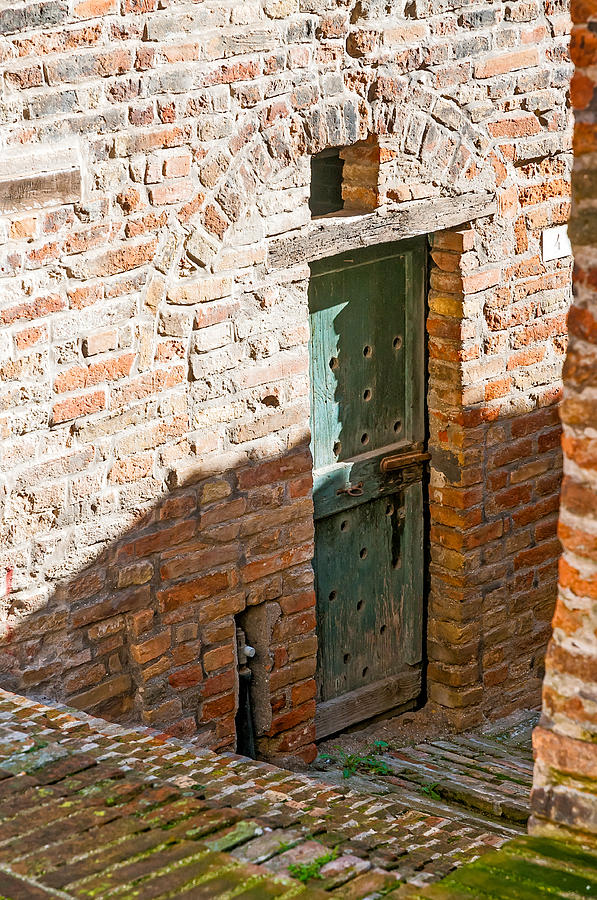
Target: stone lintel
<point>339,232</point>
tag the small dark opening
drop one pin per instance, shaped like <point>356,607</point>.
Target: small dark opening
<point>326,183</point>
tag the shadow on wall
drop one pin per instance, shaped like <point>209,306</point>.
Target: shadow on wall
<point>494,576</point>
<point>146,632</point>
<point>145,629</point>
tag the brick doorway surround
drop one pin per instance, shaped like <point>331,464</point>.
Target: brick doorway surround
<point>495,473</point>
<point>494,487</point>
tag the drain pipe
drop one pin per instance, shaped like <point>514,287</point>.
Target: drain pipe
<point>245,730</point>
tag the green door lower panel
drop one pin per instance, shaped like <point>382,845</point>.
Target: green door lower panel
<point>368,589</point>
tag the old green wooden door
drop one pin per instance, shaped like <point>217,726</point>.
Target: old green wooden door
<point>367,423</point>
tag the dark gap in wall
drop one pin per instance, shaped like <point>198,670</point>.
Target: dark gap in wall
<point>244,723</point>
<point>426,512</point>
<point>326,183</point>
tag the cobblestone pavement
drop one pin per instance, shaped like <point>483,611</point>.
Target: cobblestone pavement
<point>91,809</point>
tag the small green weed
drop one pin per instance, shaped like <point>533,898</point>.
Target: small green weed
<point>285,845</point>
<point>305,871</point>
<point>37,745</point>
<point>430,790</point>
<point>355,762</point>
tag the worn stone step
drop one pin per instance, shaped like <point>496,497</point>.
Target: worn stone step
<point>519,767</point>
<point>472,794</point>
<point>409,798</point>
<point>494,749</point>
<point>482,772</point>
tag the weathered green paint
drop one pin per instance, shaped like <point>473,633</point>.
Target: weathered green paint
<point>367,336</point>
<point>367,396</point>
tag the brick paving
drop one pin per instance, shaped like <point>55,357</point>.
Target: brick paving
<point>481,778</point>
<point>89,807</point>
<point>528,868</point>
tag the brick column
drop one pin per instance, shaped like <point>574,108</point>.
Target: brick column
<point>455,493</point>
<point>564,800</point>
<point>493,494</point>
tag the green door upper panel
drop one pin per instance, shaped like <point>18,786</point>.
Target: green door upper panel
<point>367,351</point>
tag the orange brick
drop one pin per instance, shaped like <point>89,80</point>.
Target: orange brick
<point>150,649</point>
<point>216,709</point>
<point>192,591</point>
<point>218,658</point>
<point>78,406</point>
<point>506,62</point>
<point>186,678</point>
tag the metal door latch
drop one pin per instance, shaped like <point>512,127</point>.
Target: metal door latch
<point>402,460</point>
<point>353,490</point>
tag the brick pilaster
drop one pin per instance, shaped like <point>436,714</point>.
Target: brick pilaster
<point>493,491</point>
<point>565,743</point>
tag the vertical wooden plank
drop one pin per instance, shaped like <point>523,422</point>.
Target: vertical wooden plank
<point>363,563</point>
<point>413,575</point>
<point>416,302</point>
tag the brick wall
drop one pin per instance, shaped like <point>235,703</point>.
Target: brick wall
<point>563,799</point>
<point>154,377</point>
<point>495,475</point>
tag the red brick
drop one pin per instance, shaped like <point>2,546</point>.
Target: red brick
<point>218,658</point>
<point>292,718</point>
<point>132,469</point>
<point>29,337</point>
<point>34,309</point>
<point>280,561</point>
<point>177,166</point>
<point>506,62</point>
<point>151,648</point>
<point>192,591</point>
<point>74,407</point>
<point>186,678</point>
<point>79,377</point>
<point>514,126</point>
<point>159,539</point>
<point>171,192</point>
<point>565,754</point>
<point>275,470</point>
<point>216,709</point>
<point>220,683</point>
<point>302,692</point>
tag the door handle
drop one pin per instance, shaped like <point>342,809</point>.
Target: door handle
<point>353,490</point>
<point>402,460</point>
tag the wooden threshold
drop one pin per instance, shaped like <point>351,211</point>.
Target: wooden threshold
<point>335,715</point>
<point>336,233</point>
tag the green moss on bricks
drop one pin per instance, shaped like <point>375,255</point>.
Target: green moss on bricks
<point>241,832</point>
<point>526,869</point>
<point>311,870</point>
<point>559,851</point>
<point>541,877</point>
